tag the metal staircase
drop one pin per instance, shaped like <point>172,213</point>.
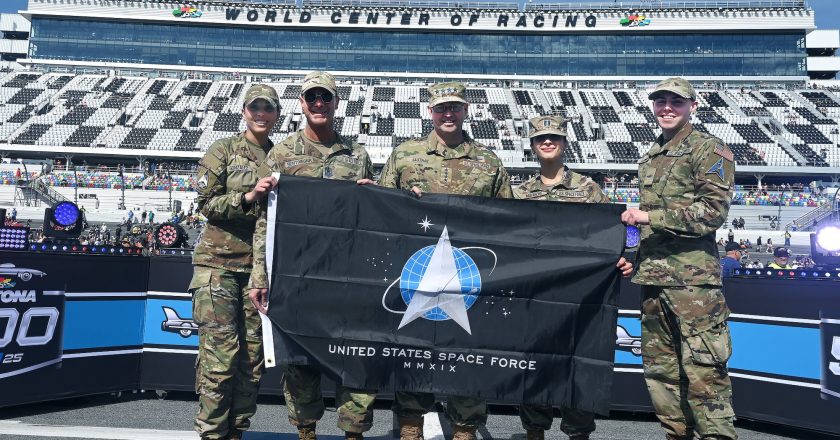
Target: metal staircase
<point>829,209</point>
<point>34,192</point>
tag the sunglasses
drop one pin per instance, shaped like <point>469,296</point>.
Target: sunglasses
<point>443,108</point>
<point>311,97</point>
<point>254,107</point>
<point>543,137</point>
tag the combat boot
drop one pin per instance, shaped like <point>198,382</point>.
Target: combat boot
<point>353,436</point>
<point>235,434</point>
<point>535,434</point>
<point>411,429</point>
<point>461,433</point>
<point>306,432</point>
<point>579,437</point>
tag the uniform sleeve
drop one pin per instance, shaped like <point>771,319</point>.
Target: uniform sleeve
<point>259,274</point>
<point>390,177</point>
<point>714,177</point>
<point>214,201</point>
<point>368,172</point>
<point>597,194</point>
<point>503,190</point>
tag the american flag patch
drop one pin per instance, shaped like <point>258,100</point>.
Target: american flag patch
<point>724,152</point>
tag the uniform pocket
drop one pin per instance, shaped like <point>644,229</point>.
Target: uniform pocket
<point>201,278</point>
<point>712,347</point>
<point>479,182</point>
<point>202,300</point>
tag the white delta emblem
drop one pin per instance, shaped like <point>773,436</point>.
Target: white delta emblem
<point>439,283</point>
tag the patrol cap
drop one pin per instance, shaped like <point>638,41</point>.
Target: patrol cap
<point>547,125</point>
<point>679,86</point>
<point>781,252</point>
<point>320,79</point>
<point>261,91</point>
<point>447,92</point>
<point>730,246</point>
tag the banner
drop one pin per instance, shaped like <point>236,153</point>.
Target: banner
<point>509,300</point>
<point>31,320</point>
<point>830,342</point>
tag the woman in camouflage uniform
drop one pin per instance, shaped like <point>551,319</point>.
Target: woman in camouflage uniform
<point>230,353</point>
<point>557,183</point>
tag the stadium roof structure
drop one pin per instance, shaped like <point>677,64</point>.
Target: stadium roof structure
<point>623,5</point>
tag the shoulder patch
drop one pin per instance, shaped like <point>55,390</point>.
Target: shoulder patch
<point>724,152</point>
<point>718,169</point>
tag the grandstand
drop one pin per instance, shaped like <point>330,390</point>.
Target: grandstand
<point>100,100</point>
<point>107,114</point>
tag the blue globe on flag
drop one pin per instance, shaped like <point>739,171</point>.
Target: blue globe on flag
<point>416,266</point>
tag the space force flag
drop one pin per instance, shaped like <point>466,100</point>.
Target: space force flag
<point>508,300</point>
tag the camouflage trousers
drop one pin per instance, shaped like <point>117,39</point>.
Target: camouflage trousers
<point>302,389</point>
<point>685,347</point>
<point>466,412</point>
<point>230,352</point>
<point>540,417</point>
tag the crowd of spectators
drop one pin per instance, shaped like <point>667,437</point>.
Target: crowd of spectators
<point>760,254</point>
<point>747,245</point>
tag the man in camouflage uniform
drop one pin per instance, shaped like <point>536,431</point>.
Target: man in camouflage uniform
<point>686,187</point>
<point>446,161</point>
<point>558,183</point>
<point>230,353</point>
<point>316,151</point>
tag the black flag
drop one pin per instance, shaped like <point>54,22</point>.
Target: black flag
<point>509,300</point>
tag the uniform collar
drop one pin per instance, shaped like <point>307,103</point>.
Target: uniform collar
<point>565,182</point>
<point>309,147</point>
<point>672,144</point>
<point>434,145</point>
<point>252,150</point>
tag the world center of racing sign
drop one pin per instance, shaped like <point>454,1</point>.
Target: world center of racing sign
<point>460,20</point>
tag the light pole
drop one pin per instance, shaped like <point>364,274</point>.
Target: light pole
<point>169,176</point>
<point>28,192</point>
<point>779,215</point>
<point>75,186</point>
<point>122,186</point>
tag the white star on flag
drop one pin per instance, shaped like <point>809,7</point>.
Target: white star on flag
<point>426,224</point>
<point>439,287</point>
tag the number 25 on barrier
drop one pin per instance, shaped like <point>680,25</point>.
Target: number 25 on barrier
<point>24,339</point>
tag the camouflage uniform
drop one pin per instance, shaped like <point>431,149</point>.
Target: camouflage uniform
<point>686,188</point>
<point>575,188</point>
<point>342,160</point>
<point>230,345</point>
<point>466,169</point>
